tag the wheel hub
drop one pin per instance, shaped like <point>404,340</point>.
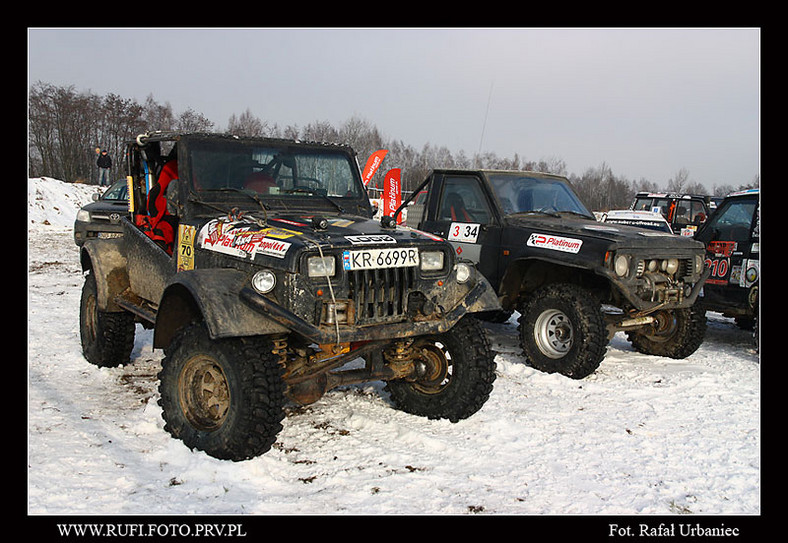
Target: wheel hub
<point>431,369</point>
<point>664,326</point>
<point>553,333</point>
<point>204,393</point>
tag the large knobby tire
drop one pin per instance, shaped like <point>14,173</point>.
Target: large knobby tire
<point>562,330</point>
<point>224,397</point>
<point>107,337</point>
<point>455,374</point>
<point>676,334</point>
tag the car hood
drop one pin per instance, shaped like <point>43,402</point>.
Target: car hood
<point>284,237</point>
<point>618,235</point>
<point>106,206</point>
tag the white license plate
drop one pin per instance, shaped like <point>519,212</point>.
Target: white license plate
<point>373,259</point>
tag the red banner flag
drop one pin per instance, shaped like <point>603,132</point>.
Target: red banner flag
<point>392,193</point>
<point>373,163</point>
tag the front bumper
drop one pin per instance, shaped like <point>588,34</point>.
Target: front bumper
<point>84,231</point>
<point>674,296</point>
<point>478,297</point>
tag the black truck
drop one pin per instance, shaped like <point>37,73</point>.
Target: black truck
<point>265,280</point>
<point>575,281</point>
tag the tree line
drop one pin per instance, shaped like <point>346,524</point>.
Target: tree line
<point>67,129</point>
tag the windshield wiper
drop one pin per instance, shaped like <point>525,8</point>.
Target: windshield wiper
<point>579,214</point>
<point>247,192</point>
<point>306,190</point>
<point>194,199</point>
<point>537,212</point>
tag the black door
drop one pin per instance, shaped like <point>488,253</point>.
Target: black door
<point>464,216</point>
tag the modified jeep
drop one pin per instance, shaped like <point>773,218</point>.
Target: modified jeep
<point>574,281</point>
<point>265,280</point>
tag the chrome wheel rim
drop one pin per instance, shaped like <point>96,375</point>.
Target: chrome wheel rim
<point>553,333</point>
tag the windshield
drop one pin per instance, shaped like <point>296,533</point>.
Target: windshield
<point>656,205</point>
<point>734,220</point>
<point>272,172</point>
<point>118,191</point>
<point>522,193</point>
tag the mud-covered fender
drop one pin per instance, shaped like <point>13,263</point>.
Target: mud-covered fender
<point>107,262</point>
<point>213,297</point>
<point>481,297</point>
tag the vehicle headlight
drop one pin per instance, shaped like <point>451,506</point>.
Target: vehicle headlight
<point>83,216</point>
<point>670,266</point>
<point>321,266</point>
<point>464,272</point>
<point>264,281</point>
<point>751,275</point>
<point>432,260</point>
<point>621,265</point>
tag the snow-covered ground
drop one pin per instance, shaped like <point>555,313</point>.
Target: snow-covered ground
<point>643,435</point>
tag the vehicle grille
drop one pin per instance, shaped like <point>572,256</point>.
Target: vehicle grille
<point>113,218</point>
<point>685,269</point>
<point>381,295</point>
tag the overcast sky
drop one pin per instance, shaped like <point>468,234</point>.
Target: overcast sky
<point>647,102</point>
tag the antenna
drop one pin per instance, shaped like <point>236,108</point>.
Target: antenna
<point>484,124</point>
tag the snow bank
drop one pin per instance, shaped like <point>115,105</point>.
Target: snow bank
<point>54,203</point>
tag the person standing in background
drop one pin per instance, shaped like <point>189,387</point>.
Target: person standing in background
<point>104,164</point>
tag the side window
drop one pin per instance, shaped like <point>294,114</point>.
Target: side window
<point>661,205</point>
<point>697,212</point>
<point>681,215</point>
<point>463,200</point>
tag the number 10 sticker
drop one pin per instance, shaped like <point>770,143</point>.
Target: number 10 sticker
<point>463,231</point>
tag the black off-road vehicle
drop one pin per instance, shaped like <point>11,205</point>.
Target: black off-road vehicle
<point>574,280</point>
<point>266,281</point>
<point>733,251</point>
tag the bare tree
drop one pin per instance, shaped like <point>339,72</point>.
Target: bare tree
<point>62,127</point>
<point>644,185</point>
<point>695,188</point>
<point>42,135</point>
<point>601,190</point>
<point>157,116</point>
<point>66,127</point>
<point>320,131</point>
<point>362,136</point>
<point>247,125</point>
<point>679,181</point>
<point>192,121</point>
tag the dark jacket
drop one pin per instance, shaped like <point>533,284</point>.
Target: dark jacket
<point>104,161</point>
